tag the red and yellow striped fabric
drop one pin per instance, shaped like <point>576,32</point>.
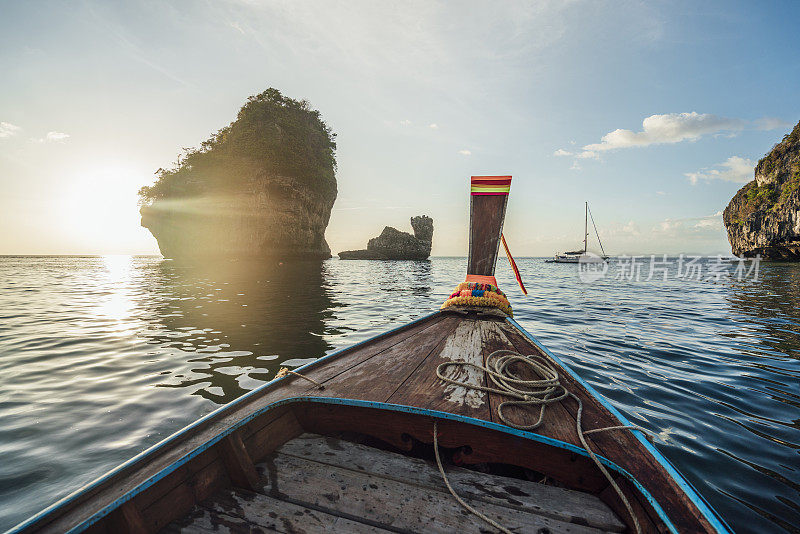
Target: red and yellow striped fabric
<point>491,185</point>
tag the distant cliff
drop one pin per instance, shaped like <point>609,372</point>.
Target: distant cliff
<point>263,186</point>
<point>764,216</point>
<point>393,244</point>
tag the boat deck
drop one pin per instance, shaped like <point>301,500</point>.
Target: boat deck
<point>384,389</point>
<point>401,369</point>
<point>322,484</point>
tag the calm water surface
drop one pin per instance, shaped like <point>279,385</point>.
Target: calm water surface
<point>101,357</point>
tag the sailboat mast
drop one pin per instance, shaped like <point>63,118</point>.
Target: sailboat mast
<point>585,226</point>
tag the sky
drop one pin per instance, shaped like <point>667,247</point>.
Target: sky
<point>653,112</point>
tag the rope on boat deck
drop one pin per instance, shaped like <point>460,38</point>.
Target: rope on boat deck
<point>285,371</point>
<point>461,501</point>
<point>540,392</point>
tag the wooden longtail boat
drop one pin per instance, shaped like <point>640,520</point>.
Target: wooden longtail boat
<point>361,441</point>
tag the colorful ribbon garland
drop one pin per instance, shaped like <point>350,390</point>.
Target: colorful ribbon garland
<point>513,264</point>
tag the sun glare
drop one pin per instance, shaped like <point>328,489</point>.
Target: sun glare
<point>118,303</point>
<point>102,208</point>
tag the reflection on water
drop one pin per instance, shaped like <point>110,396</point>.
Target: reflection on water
<point>242,321</point>
<point>102,357</point>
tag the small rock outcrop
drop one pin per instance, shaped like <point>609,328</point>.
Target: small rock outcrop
<point>763,218</point>
<point>393,244</point>
<point>261,187</point>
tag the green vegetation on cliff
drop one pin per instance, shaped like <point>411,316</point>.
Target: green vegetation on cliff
<point>789,143</point>
<point>764,215</point>
<point>780,178</point>
<point>766,197</point>
<point>272,135</point>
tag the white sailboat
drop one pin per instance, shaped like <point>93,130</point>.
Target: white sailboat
<point>575,256</point>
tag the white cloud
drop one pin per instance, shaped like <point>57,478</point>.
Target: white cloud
<point>405,122</point>
<point>465,152</point>
<point>7,129</point>
<point>631,228</point>
<point>674,128</point>
<point>668,128</point>
<point>588,154</point>
<point>734,169</point>
<point>708,223</point>
<point>693,227</point>
<point>57,136</point>
<point>433,126</point>
<point>616,230</point>
<point>770,123</point>
<point>562,152</point>
<point>575,166</point>
<point>51,137</point>
<point>661,193</point>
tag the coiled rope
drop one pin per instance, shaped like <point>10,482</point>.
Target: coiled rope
<point>541,392</point>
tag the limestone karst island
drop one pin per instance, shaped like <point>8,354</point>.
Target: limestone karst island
<point>763,218</point>
<point>262,186</point>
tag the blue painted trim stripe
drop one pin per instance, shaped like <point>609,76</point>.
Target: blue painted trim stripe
<point>64,501</point>
<point>365,404</point>
<point>716,521</point>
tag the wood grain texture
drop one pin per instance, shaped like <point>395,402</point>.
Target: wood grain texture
<point>389,503</point>
<point>426,390</point>
<point>558,503</point>
<point>180,499</point>
<point>264,513</point>
<point>480,444</point>
<point>264,434</point>
<point>238,464</point>
<point>127,520</point>
<point>379,377</point>
<point>486,223</point>
<point>235,513</point>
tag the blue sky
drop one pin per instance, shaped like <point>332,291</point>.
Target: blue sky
<point>662,107</point>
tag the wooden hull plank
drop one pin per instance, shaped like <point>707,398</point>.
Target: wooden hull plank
<point>425,390</point>
<point>387,503</point>
<point>180,499</point>
<point>264,434</point>
<point>379,377</point>
<point>245,512</point>
<point>558,423</point>
<point>477,444</point>
<point>127,520</point>
<point>238,464</point>
<point>486,223</point>
<point>558,503</point>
